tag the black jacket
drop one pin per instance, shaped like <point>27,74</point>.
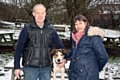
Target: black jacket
<point>39,43</point>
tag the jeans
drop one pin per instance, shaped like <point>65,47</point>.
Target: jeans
<point>32,73</point>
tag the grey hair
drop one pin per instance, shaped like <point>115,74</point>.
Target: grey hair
<point>38,5</point>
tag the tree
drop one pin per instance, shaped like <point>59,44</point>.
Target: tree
<point>84,7</point>
<point>28,7</point>
<point>111,7</point>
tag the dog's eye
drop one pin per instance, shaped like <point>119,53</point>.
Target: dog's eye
<point>56,55</point>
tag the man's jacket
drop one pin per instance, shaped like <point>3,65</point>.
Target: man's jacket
<point>37,45</point>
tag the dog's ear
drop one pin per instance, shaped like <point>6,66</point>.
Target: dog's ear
<point>53,51</point>
<point>64,51</point>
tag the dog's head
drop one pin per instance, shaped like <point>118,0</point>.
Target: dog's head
<point>58,55</point>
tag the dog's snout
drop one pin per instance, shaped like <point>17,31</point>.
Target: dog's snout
<point>58,60</point>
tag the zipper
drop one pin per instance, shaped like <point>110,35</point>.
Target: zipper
<point>41,41</point>
<point>76,47</point>
<point>41,31</point>
<point>29,59</point>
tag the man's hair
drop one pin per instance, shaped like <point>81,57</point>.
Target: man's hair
<point>38,5</point>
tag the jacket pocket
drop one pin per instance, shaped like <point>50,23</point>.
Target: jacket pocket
<point>49,39</point>
<point>30,55</point>
<point>81,70</point>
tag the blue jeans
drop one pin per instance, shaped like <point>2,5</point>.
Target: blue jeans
<point>32,73</point>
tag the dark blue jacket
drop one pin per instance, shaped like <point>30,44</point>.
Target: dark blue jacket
<point>88,57</point>
<point>32,42</point>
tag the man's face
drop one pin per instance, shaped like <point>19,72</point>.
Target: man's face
<point>39,14</point>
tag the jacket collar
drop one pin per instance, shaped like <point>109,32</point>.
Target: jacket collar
<point>33,23</point>
<point>94,31</point>
<point>86,29</point>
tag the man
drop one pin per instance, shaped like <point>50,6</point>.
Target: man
<point>35,43</point>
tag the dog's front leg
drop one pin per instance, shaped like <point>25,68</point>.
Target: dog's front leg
<point>62,76</point>
<point>54,76</point>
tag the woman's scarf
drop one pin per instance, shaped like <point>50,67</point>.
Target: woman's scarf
<point>77,36</point>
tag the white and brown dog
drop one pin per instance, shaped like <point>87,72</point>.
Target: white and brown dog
<point>58,56</point>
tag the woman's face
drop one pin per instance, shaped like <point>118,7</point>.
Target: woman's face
<point>80,25</point>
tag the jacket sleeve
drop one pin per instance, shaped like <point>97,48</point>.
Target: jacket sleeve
<point>19,48</point>
<point>68,55</point>
<point>57,41</point>
<point>69,52</point>
<point>100,51</point>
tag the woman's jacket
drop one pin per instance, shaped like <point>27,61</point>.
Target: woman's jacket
<point>88,57</point>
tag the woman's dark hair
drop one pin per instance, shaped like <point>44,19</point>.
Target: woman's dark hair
<point>80,17</point>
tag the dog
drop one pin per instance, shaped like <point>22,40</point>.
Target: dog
<point>58,56</point>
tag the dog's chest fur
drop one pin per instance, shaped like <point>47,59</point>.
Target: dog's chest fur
<point>58,56</point>
<point>56,68</point>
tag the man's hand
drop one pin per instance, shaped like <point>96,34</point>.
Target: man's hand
<point>17,73</point>
<point>62,64</point>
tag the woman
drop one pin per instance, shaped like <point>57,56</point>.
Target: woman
<point>88,55</point>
